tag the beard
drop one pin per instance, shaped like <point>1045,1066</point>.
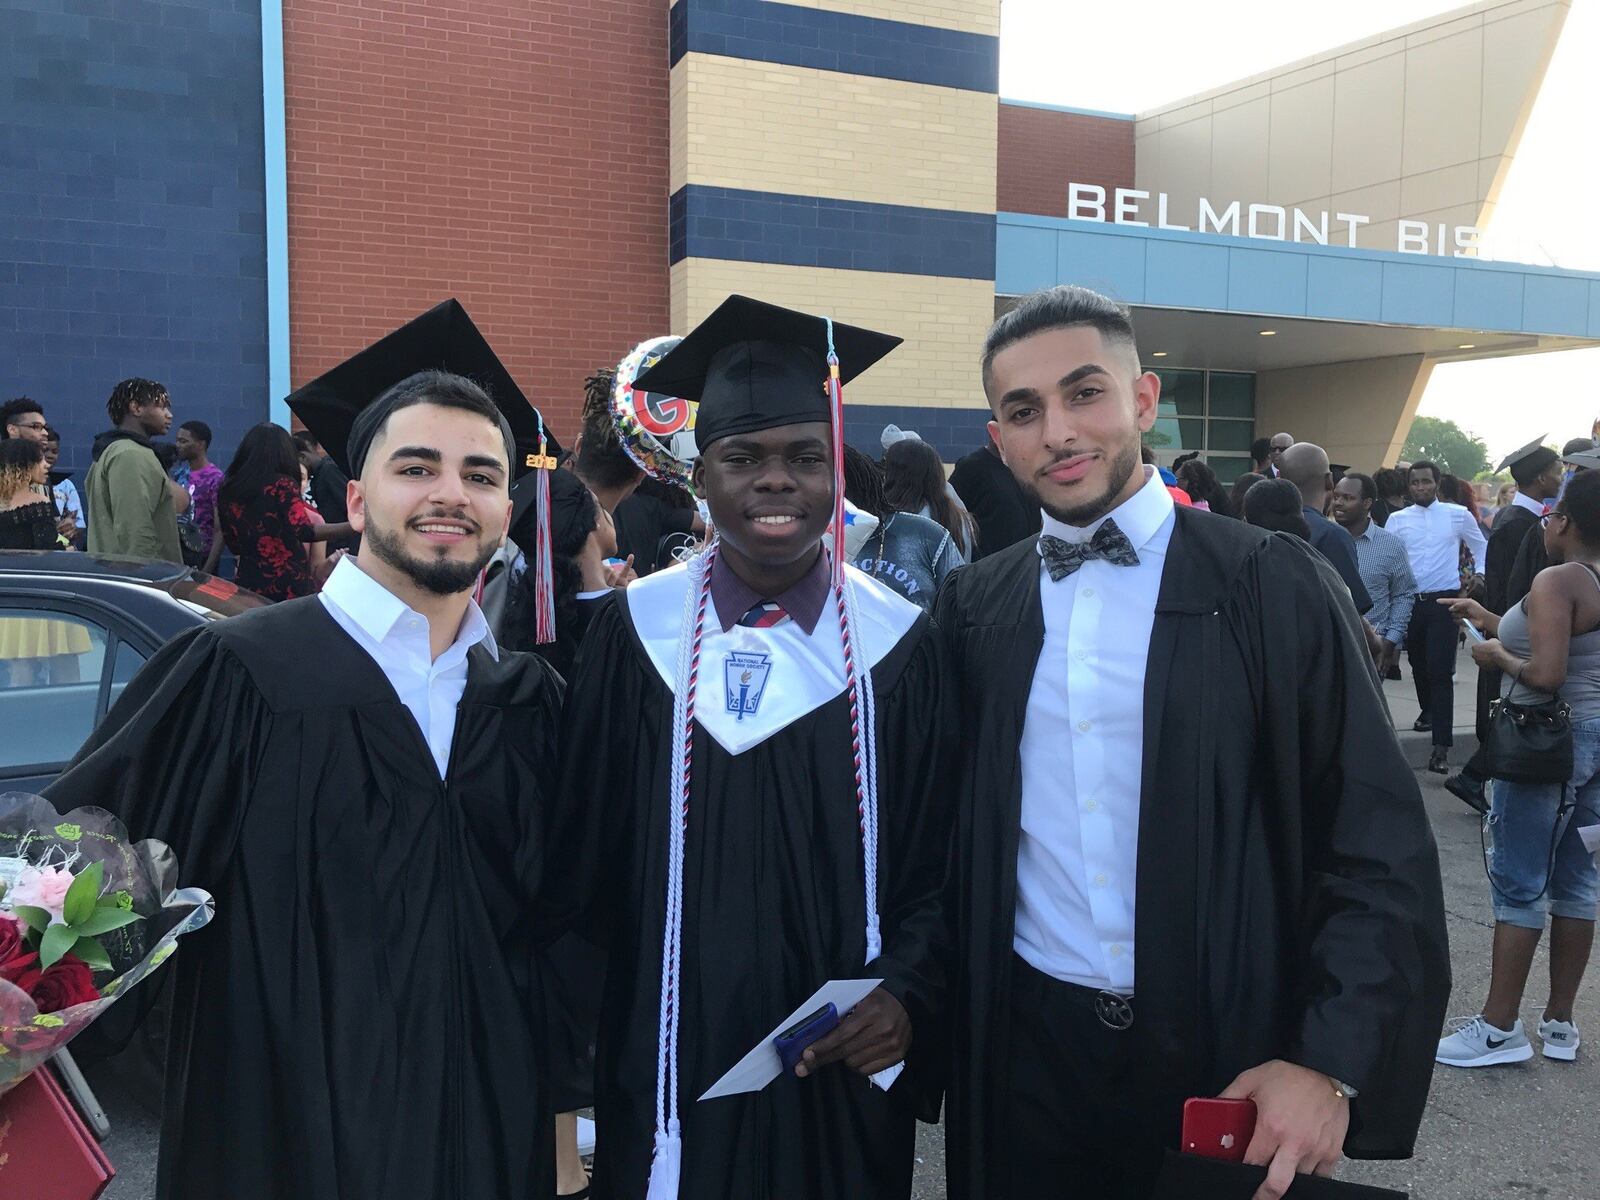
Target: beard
<point>441,576</point>
<point>1122,467</point>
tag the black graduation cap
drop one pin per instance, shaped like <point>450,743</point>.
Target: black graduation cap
<point>1191,1177</point>
<point>1528,462</point>
<point>443,338</point>
<point>566,492</point>
<point>1586,460</point>
<point>754,366</point>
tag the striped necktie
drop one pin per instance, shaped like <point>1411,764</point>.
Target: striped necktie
<point>764,615</point>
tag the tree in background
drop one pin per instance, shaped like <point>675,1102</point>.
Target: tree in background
<point>1457,452</point>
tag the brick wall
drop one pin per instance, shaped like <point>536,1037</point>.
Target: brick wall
<point>511,154</point>
<point>132,240</point>
<point>1042,150</point>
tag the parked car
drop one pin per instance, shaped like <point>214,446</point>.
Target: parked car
<point>74,629</point>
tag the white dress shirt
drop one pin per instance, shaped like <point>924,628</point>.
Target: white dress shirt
<point>1082,746</point>
<point>396,636</point>
<point>1432,538</point>
<point>1536,507</point>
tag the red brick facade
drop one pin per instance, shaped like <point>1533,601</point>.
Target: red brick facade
<point>510,154</point>
<point>1041,150</point>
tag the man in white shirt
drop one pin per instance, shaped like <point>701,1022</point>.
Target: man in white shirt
<point>1433,532</point>
<point>1190,859</point>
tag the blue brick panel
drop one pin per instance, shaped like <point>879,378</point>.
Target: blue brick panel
<point>810,231</point>
<point>831,41</point>
<point>132,228</point>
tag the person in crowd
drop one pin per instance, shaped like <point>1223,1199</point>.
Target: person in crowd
<point>68,503</point>
<point>1578,455</point>
<point>1486,507</point>
<point>1504,496</point>
<point>132,504</point>
<point>1165,899</point>
<point>1277,508</point>
<point>909,552</point>
<point>1261,457</point>
<point>1306,466</point>
<point>262,516</point>
<point>1147,456</point>
<point>23,418</point>
<point>1242,485</point>
<point>654,522</point>
<point>1385,568</point>
<point>598,458</point>
<point>373,839</point>
<point>1393,494</point>
<point>1433,533</point>
<point>204,477</point>
<point>1547,644</point>
<point>27,518</point>
<point>914,482</point>
<point>736,785</point>
<point>1200,481</point>
<point>1000,509</point>
<point>1279,444</point>
<point>1455,490</point>
<point>1539,477</point>
<point>327,482</point>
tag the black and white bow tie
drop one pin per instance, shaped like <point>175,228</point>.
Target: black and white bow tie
<point>1062,558</point>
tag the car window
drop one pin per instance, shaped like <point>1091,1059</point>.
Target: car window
<point>50,671</point>
<point>124,667</point>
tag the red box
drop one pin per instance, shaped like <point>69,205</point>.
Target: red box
<point>46,1151</point>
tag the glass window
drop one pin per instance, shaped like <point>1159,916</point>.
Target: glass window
<point>126,666</point>
<point>1182,393</point>
<point>1232,394</point>
<point>1230,435</point>
<point>50,667</point>
<point>1227,467</point>
<point>1175,436</point>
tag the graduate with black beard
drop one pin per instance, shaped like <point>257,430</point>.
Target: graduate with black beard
<point>1191,857</point>
<point>362,1020</point>
<point>766,807</point>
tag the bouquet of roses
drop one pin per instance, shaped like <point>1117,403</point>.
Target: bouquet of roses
<point>84,916</point>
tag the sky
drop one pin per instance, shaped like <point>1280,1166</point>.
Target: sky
<point>1139,54</point>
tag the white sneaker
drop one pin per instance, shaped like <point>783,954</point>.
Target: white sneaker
<point>1476,1043</point>
<point>1560,1039</point>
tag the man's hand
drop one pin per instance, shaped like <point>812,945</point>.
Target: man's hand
<point>67,526</point>
<point>873,1035</point>
<point>621,575</point>
<point>1388,657</point>
<point>1300,1123</point>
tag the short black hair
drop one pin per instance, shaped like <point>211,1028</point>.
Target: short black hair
<point>1367,484</point>
<point>1061,307</point>
<point>305,441</point>
<point>1390,481</point>
<point>440,388</point>
<point>1261,450</point>
<point>1423,464</point>
<point>130,392</point>
<point>12,409</point>
<point>1276,504</point>
<point>863,483</point>
<point>198,430</point>
<point>600,459</point>
<point>1580,501</point>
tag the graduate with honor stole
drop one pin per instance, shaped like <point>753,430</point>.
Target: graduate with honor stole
<point>754,801</point>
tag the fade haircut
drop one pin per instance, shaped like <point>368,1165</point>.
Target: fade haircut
<point>130,392</point>
<point>600,459</point>
<point>1367,484</point>
<point>199,431</point>
<point>12,409</point>
<point>1423,464</point>
<point>1062,307</point>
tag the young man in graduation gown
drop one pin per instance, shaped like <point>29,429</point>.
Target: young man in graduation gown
<point>362,1019</point>
<point>718,692</point>
<point>1191,858</point>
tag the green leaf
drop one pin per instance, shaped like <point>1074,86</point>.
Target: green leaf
<point>104,920</point>
<point>122,900</point>
<point>92,953</point>
<point>36,919</point>
<point>58,939</point>
<point>83,893</point>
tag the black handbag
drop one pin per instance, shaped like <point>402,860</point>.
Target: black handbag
<point>1529,743</point>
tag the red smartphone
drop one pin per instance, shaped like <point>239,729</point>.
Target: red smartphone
<point>1215,1128</point>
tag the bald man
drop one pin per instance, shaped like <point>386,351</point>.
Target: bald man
<point>1306,466</point>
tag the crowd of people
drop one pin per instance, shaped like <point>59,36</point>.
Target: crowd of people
<point>824,715</point>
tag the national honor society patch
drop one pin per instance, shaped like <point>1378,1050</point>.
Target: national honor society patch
<point>745,673</point>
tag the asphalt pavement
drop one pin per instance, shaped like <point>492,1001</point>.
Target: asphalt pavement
<point>1521,1132</point>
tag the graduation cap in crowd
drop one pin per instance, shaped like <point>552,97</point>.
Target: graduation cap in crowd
<point>340,408</point>
<point>1193,1177</point>
<point>1528,462</point>
<point>1584,460</point>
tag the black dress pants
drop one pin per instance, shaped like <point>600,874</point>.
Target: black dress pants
<point>1070,1129</point>
<point>1431,642</point>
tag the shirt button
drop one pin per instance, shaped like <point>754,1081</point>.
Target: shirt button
<point>1116,951</point>
<point>1083,727</point>
<point>1092,806</point>
<point>1088,591</point>
<point>1082,655</point>
<point>1100,880</point>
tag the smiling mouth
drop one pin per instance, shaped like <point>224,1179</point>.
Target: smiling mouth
<point>442,529</point>
<point>1069,468</point>
<point>776,520</point>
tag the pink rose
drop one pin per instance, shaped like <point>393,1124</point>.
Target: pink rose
<point>42,887</point>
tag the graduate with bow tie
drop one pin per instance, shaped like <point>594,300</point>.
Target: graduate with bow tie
<point>769,808</point>
<point>1190,857</point>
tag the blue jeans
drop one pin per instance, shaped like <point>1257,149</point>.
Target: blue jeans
<point>1524,819</point>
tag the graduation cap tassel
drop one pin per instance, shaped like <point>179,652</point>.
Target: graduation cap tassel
<point>544,593</point>
<point>836,419</point>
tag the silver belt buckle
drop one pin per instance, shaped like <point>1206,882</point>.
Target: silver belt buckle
<point>1114,1011</point>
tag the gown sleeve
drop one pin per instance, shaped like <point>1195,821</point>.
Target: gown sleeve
<point>176,756</point>
<point>1376,959</point>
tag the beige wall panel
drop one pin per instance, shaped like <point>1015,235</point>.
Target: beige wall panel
<point>1298,76</point>
<point>1242,95</point>
<point>1444,188</point>
<point>1300,143</point>
<point>1185,158</point>
<point>1520,50</point>
<point>678,133</point>
<point>969,16</point>
<point>1380,235</point>
<point>1492,174</point>
<point>942,320</point>
<point>1359,412</point>
<point>1444,81</point>
<point>1381,201</point>
<point>1238,152</point>
<point>776,128</point>
<point>1366,134</point>
<point>1444,29</point>
<point>1147,168</point>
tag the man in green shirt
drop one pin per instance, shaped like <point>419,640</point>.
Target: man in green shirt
<point>131,506</point>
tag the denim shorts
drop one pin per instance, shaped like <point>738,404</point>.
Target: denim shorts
<point>1523,820</point>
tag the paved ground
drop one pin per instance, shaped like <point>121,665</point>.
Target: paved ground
<point>1507,1133</point>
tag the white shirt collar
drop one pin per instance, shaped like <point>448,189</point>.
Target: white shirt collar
<point>377,610</point>
<point>1536,507</point>
<point>1139,517</point>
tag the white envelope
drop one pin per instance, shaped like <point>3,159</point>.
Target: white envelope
<point>762,1065</point>
<point>1591,838</point>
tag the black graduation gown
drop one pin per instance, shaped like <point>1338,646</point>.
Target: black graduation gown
<point>361,1020</point>
<point>773,907</point>
<point>1505,540</point>
<point>1288,895</point>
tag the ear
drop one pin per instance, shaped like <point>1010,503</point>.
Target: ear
<point>1146,397</point>
<point>697,477</point>
<point>994,436</point>
<point>355,502</point>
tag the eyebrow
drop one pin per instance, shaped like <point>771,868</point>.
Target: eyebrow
<point>483,460</point>
<point>425,453</point>
<point>1016,395</point>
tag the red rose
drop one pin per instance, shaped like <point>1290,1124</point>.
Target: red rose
<point>18,964</point>
<point>67,983</point>
<point>11,943</point>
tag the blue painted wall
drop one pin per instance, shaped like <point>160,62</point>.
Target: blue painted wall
<point>132,228</point>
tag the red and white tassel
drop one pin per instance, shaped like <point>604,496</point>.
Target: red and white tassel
<point>544,593</point>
